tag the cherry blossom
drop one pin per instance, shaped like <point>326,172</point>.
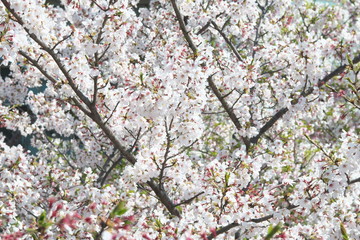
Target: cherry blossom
<point>179,120</point>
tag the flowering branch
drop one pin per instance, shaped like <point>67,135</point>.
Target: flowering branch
<point>187,201</point>
<point>183,27</point>
<point>36,64</point>
<point>282,111</point>
<point>137,103</point>
<point>167,151</point>
<point>228,42</point>
<point>50,51</point>
<point>264,9</point>
<point>92,112</point>
<point>235,224</point>
<point>227,108</point>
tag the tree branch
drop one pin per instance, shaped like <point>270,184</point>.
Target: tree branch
<point>228,42</point>
<point>167,151</point>
<point>183,27</point>
<point>50,51</point>
<point>254,220</point>
<point>187,201</point>
<point>354,181</point>
<point>223,230</point>
<point>282,111</point>
<point>164,198</point>
<point>227,108</point>
<point>93,113</point>
<point>37,65</point>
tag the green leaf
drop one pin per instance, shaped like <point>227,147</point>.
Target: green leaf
<point>286,168</point>
<point>119,210</point>
<point>352,88</point>
<point>32,232</point>
<point>272,231</point>
<point>42,219</point>
<point>179,209</point>
<point>344,234</point>
<point>227,177</point>
<point>106,185</point>
<point>351,64</point>
<point>141,78</point>
<point>158,223</point>
<point>213,154</point>
<point>43,222</point>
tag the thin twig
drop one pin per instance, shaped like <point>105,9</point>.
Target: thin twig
<point>60,152</point>
<point>187,201</point>
<point>254,220</point>
<point>62,40</point>
<point>167,150</point>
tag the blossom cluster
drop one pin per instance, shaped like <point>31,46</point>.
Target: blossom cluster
<point>181,120</point>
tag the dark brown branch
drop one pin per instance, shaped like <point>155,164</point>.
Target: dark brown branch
<point>95,91</point>
<point>50,52</point>
<point>37,65</point>
<point>160,193</point>
<point>99,37</point>
<point>80,106</point>
<point>167,151</point>
<point>269,124</point>
<point>227,108</point>
<point>164,198</point>
<point>101,180</point>
<point>97,59</point>
<point>223,230</point>
<point>254,220</point>
<point>204,28</point>
<point>59,151</point>
<point>229,93</point>
<point>103,53</point>
<point>228,42</point>
<point>262,219</point>
<point>93,113</point>
<point>354,181</point>
<point>103,168</point>
<point>224,104</point>
<point>182,150</point>
<point>264,9</point>
<point>105,173</point>
<point>101,8</point>
<point>282,111</point>
<point>234,224</point>
<point>109,133</point>
<point>187,201</point>
<point>334,73</point>
<point>183,27</point>
<point>270,72</point>
<point>62,40</point>
<point>211,83</point>
<point>112,113</point>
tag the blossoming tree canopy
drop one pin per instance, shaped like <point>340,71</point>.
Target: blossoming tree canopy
<point>186,119</point>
